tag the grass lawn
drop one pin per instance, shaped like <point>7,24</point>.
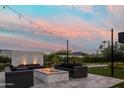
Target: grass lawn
<point>120,85</point>
<point>105,71</point>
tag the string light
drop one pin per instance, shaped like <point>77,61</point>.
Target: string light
<point>38,26</point>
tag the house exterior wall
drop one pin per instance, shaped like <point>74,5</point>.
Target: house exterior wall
<point>26,57</point>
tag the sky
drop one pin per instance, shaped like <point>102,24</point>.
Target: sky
<point>47,27</point>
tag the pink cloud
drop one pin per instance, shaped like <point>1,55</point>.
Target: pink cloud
<point>14,22</point>
<point>84,8</point>
<point>75,29</point>
<point>70,27</point>
<point>27,43</point>
<point>116,9</point>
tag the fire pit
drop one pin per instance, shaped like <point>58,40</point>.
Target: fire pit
<point>49,69</point>
<point>51,75</point>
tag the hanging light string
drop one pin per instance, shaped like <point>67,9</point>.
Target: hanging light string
<point>55,33</point>
<point>29,20</point>
<point>39,27</point>
<point>42,29</point>
<point>20,15</point>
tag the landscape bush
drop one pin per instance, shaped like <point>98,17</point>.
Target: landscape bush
<point>4,59</point>
<point>119,65</point>
<point>92,59</point>
<point>4,62</point>
<point>3,65</point>
<point>75,60</point>
<point>55,60</point>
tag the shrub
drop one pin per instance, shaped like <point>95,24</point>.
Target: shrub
<point>118,65</point>
<point>4,62</point>
<point>55,60</point>
<point>4,59</point>
<point>2,66</point>
<point>92,59</point>
<point>75,60</point>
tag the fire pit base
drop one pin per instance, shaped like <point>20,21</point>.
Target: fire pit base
<point>51,76</point>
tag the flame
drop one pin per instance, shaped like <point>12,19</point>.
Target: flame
<point>49,69</point>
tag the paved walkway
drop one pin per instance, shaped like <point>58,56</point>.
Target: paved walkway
<point>93,65</point>
<point>2,80</point>
<point>92,81</point>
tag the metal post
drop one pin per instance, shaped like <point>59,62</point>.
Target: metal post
<point>112,70</point>
<point>67,51</point>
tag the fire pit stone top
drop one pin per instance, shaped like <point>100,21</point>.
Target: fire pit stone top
<point>50,71</point>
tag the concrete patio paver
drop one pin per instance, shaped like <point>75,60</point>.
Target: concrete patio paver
<point>2,79</point>
<point>92,81</point>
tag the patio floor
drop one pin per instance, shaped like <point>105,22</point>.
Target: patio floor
<point>92,81</point>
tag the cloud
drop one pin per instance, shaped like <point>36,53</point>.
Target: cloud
<point>68,26</point>
<point>116,16</point>
<point>116,9</point>
<point>23,43</point>
<point>84,8</point>
<point>76,28</point>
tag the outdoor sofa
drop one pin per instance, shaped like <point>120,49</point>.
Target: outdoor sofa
<point>20,76</point>
<point>75,71</point>
<point>18,79</point>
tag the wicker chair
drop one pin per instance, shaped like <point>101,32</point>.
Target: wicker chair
<point>19,79</point>
<point>75,71</point>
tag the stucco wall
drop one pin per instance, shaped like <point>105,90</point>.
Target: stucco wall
<point>26,57</point>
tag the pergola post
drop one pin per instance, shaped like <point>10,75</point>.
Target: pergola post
<point>67,51</point>
<point>112,70</point>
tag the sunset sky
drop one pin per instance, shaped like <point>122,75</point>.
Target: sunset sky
<point>84,26</point>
